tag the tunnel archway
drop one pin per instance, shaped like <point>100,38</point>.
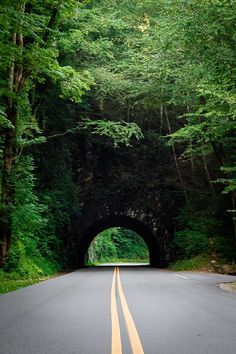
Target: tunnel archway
<point>139,227</point>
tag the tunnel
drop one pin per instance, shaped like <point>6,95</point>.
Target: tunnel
<point>127,222</point>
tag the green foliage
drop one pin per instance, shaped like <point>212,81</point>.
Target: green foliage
<point>191,242</point>
<point>199,262</point>
<point>4,122</point>
<point>27,212</point>
<point>10,282</point>
<point>31,271</point>
<point>120,132</point>
<point>31,248</point>
<point>118,244</point>
<point>202,233</point>
<point>102,247</point>
<point>73,84</point>
<point>195,233</point>
<point>230,183</point>
<point>204,73</point>
<point>224,247</point>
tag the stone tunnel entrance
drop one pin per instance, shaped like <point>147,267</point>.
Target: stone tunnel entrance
<point>127,222</point>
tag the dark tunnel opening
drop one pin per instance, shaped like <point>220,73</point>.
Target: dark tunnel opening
<point>135,225</point>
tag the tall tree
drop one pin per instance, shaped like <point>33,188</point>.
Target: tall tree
<point>28,55</point>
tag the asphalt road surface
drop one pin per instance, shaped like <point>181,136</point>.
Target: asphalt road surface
<point>125,310</point>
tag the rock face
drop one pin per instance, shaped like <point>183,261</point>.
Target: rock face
<point>129,187</point>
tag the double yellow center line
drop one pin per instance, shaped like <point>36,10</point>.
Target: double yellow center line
<point>116,346</point>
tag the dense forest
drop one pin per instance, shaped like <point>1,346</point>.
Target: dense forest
<point>108,83</point>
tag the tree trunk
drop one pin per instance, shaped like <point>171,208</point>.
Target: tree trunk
<point>9,154</point>
<point>5,222</point>
<point>208,176</point>
<point>233,197</point>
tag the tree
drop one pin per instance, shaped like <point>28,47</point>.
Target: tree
<point>29,55</point>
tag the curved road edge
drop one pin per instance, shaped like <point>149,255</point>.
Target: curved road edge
<point>228,287</point>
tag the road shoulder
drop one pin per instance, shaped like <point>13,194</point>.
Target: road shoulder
<point>228,287</point>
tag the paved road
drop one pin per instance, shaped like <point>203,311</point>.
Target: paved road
<point>100,311</point>
<point>127,264</point>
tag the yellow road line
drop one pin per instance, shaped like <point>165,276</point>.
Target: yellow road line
<point>116,347</point>
<point>131,328</point>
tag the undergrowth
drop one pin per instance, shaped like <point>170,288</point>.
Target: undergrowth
<point>28,272</point>
<point>199,262</point>
<point>119,260</point>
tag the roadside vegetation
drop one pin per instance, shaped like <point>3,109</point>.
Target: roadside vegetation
<point>202,262</point>
<point>29,272</point>
<point>14,281</point>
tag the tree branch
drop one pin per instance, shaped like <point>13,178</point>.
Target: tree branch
<point>70,131</point>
